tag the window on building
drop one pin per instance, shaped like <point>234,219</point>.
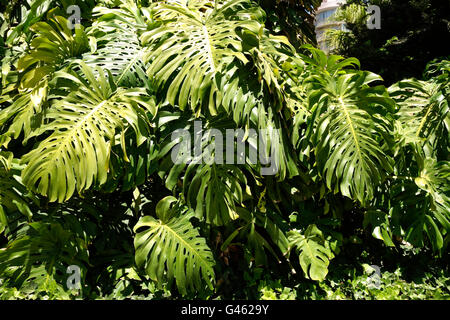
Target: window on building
<point>324,16</point>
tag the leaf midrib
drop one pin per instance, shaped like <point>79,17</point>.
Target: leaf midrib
<point>209,48</point>
<point>424,118</point>
<point>78,126</point>
<point>352,129</point>
<point>128,67</point>
<point>167,227</point>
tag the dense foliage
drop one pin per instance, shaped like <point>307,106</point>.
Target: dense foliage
<point>412,33</point>
<point>87,176</point>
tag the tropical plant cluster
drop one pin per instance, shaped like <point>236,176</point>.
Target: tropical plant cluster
<point>87,112</point>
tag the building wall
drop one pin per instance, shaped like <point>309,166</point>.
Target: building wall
<point>323,21</point>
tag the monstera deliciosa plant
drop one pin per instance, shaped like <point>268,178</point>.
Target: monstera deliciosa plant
<point>87,175</point>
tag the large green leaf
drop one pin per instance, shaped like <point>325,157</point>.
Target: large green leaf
<point>214,191</point>
<point>83,127</point>
<point>41,244</point>
<point>193,42</point>
<point>313,250</point>
<point>257,225</point>
<point>423,116</point>
<point>211,187</point>
<point>425,201</point>
<point>54,43</point>
<point>117,49</point>
<point>349,132</point>
<point>170,248</point>
<point>53,47</point>
<point>12,191</point>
